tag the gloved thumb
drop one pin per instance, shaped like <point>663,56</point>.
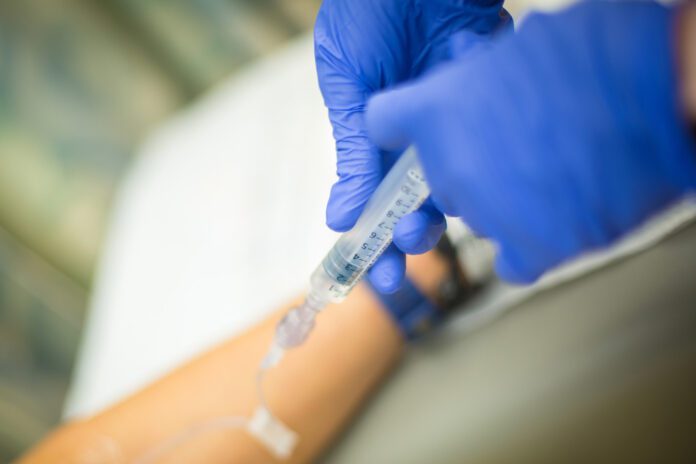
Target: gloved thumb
<point>512,267</point>
<point>389,117</point>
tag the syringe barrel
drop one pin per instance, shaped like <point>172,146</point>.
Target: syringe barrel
<point>401,192</point>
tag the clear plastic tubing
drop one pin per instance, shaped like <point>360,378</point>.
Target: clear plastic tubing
<point>401,192</point>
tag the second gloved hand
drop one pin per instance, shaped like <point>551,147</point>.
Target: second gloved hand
<point>556,140</point>
<point>363,46</point>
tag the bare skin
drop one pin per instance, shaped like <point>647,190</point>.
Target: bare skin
<point>315,390</point>
<point>687,59</point>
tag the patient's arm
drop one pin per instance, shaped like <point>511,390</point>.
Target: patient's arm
<point>314,390</point>
<point>687,59</point>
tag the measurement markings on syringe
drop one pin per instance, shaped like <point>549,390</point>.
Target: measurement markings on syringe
<point>400,193</point>
<point>374,245</point>
<point>408,198</point>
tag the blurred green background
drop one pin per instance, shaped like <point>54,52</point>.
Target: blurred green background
<point>81,83</point>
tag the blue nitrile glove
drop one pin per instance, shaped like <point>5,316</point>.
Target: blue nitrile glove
<point>555,140</point>
<point>363,46</point>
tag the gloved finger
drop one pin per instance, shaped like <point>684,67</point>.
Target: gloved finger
<point>359,170</point>
<point>469,40</point>
<point>420,231</point>
<point>389,115</point>
<point>358,163</point>
<point>345,95</point>
<point>388,272</point>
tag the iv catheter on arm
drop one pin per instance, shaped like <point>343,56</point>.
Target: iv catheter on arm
<point>401,192</point>
<point>188,413</point>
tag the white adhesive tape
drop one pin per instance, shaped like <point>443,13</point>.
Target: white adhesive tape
<point>276,436</point>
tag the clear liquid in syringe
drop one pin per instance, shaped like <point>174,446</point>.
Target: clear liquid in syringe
<point>401,192</point>
<point>359,248</point>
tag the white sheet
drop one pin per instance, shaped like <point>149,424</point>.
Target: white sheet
<point>220,218</point>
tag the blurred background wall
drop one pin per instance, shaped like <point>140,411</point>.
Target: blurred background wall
<point>81,82</point>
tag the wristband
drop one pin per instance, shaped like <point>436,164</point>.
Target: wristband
<point>412,312</point>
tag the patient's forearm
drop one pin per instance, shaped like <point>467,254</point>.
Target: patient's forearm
<point>315,390</point>
<point>687,59</point>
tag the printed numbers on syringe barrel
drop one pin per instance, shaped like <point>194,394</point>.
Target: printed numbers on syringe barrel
<point>378,240</point>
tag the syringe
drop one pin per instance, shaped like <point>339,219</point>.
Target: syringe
<point>401,192</point>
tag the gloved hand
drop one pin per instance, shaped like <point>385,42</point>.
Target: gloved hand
<point>362,46</point>
<point>555,140</point>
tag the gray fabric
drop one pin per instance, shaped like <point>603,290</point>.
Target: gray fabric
<point>601,369</point>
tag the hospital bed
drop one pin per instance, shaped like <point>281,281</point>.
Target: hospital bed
<point>222,217</point>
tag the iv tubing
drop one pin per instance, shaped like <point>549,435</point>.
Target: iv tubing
<point>152,455</point>
<point>171,443</point>
<point>401,192</point>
